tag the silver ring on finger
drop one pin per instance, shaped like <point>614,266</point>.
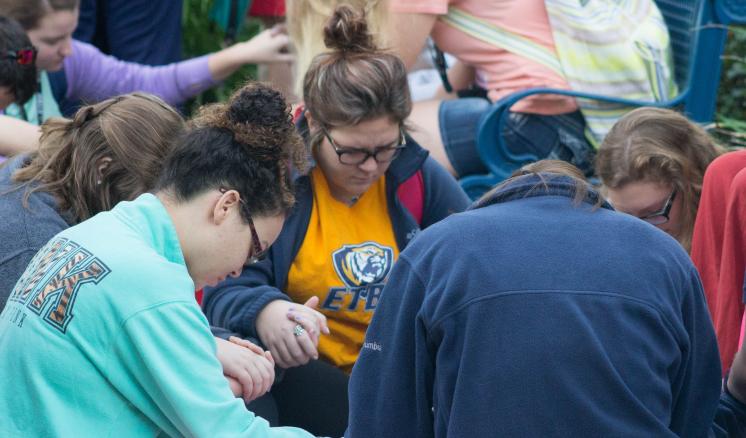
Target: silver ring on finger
<point>298,330</point>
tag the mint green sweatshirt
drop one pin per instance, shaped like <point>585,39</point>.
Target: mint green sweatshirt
<point>102,337</point>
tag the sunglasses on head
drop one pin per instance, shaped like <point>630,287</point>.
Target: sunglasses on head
<point>25,56</point>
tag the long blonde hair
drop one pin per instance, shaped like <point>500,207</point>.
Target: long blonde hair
<point>306,20</point>
<point>661,146</point>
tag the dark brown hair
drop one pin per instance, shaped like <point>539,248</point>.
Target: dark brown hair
<point>355,81</point>
<point>661,146</point>
<point>248,144</point>
<point>29,13</point>
<point>19,79</point>
<point>135,131</point>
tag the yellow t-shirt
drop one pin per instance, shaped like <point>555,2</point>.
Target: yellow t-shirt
<point>345,259</point>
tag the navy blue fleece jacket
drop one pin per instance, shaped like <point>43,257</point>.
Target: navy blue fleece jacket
<point>534,317</point>
<point>235,303</point>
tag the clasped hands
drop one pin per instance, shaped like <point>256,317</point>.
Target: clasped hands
<point>249,369</point>
<point>277,328</point>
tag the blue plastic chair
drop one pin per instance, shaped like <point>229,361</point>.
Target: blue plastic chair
<point>698,30</point>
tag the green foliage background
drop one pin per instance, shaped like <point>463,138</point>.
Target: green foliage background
<point>731,106</point>
<point>201,36</point>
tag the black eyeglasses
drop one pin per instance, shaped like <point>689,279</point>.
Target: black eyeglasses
<point>357,156</point>
<point>25,56</point>
<point>661,216</point>
<point>257,253</point>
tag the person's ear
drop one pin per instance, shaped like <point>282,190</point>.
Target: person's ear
<point>312,125</point>
<point>101,165</point>
<point>223,206</point>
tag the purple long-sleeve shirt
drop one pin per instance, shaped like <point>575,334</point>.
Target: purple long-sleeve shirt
<point>93,76</point>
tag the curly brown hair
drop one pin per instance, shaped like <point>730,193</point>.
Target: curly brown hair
<point>248,143</point>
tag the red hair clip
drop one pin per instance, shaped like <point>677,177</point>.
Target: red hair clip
<point>25,56</point>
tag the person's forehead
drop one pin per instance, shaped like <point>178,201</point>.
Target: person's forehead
<point>57,24</point>
<point>362,139</point>
<point>639,196</point>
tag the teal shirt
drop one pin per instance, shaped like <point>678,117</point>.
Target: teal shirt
<point>42,102</point>
<point>102,337</point>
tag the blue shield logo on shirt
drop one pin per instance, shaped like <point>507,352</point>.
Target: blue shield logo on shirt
<point>363,264</point>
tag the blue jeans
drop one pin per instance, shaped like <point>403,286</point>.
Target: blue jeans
<point>558,137</point>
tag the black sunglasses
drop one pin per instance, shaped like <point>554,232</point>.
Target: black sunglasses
<point>357,156</point>
<point>257,253</point>
<point>661,216</point>
<point>25,56</point>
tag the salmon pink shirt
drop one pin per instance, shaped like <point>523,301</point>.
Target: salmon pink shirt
<point>497,70</point>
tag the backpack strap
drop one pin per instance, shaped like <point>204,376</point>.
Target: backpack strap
<point>411,193</point>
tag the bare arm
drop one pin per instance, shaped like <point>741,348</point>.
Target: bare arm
<point>410,34</point>
<point>17,136</point>
<point>461,76</point>
<point>412,31</point>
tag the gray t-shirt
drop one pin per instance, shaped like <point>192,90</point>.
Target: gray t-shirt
<point>23,231</point>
